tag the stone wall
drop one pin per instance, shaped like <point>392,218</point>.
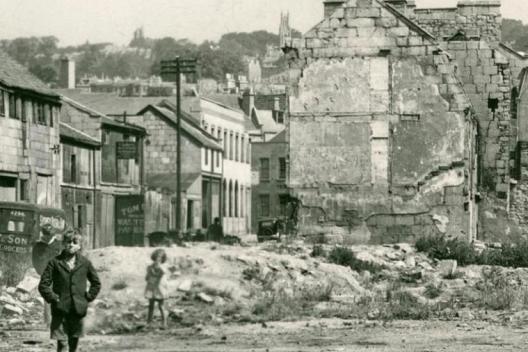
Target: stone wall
<point>379,129</point>
<point>160,147</point>
<point>479,19</point>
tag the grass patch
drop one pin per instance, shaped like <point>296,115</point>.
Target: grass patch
<point>292,303</point>
<point>432,291</point>
<point>513,255</point>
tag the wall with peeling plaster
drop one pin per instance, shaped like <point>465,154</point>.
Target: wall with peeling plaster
<point>379,130</point>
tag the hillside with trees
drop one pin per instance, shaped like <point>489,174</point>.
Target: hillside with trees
<point>141,57</point>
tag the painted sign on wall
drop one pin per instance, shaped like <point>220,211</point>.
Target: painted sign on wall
<point>129,220</point>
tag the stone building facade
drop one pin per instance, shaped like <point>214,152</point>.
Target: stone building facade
<point>382,137</point>
<point>200,201</point>
<point>30,161</point>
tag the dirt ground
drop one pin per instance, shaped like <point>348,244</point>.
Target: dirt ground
<point>314,335</point>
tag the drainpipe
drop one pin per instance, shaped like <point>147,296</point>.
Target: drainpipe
<point>94,219</point>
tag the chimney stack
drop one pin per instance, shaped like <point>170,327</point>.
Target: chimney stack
<point>330,6</point>
<point>67,73</point>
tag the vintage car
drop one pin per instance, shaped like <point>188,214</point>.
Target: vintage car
<point>20,231</point>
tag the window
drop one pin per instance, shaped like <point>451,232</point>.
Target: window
<point>41,118</point>
<point>242,149</point>
<point>12,106</point>
<point>206,156</point>
<point>24,190</point>
<point>2,103</point>
<point>34,112</point>
<point>282,168</point>
<point>278,116</point>
<point>236,148</point>
<point>23,110</point>
<point>47,114</point>
<point>73,168</point>
<point>8,188</point>
<point>264,169</point>
<point>231,149</point>
<point>18,108</point>
<point>264,200</point>
<point>218,157</point>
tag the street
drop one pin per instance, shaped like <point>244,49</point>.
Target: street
<point>317,335</point>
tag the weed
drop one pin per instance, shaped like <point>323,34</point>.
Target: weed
<point>432,291</point>
<point>454,275</point>
<point>291,303</point>
<point>252,273</point>
<point>345,257</point>
<point>318,251</point>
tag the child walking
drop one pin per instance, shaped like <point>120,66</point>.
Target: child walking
<point>156,290</point>
<point>63,284</point>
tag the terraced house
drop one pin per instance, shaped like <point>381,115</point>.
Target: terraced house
<point>30,160</point>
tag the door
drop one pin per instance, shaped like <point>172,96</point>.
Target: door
<point>190,214</point>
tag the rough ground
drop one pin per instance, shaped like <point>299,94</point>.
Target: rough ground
<point>306,336</point>
<point>278,297</point>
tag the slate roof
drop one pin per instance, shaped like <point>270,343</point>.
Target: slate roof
<point>230,101</point>
<point>67,131</point>
<point>115,105</point>
<point>196,132</point>
<point>14,75</point>
<point>266,121</point>
<point>104,119</point>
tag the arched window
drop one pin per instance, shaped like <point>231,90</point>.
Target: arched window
<point>224,198</point>
<point>242,201</point>
<point>230,199</point>
<point>237,214</point>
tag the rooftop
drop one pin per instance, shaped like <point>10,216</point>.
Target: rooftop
<point>14,75</point>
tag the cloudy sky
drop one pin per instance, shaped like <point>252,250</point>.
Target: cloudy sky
<point>76,21</point>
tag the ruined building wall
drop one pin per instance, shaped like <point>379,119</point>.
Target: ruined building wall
<point>380,134</point>
<point>476,18</point>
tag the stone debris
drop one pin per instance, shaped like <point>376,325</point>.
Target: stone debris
<point>185,285</point>
<point>447,268</point>
<point>205,297</point>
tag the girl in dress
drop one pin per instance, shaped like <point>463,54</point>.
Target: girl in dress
<point>156,290</point>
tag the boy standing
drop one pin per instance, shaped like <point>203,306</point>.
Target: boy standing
<point>63,285</point>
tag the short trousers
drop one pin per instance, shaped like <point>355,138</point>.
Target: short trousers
<point>65,326</point>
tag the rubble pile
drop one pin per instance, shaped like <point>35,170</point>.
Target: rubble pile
<point>22,305</point>
<point>215,284</point>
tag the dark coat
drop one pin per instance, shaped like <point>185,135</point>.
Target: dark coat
<point>66,290</point>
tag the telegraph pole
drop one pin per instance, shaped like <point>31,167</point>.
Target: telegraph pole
<point>176,67</point>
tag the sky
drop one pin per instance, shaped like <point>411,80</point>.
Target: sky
<point>77,21</point>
